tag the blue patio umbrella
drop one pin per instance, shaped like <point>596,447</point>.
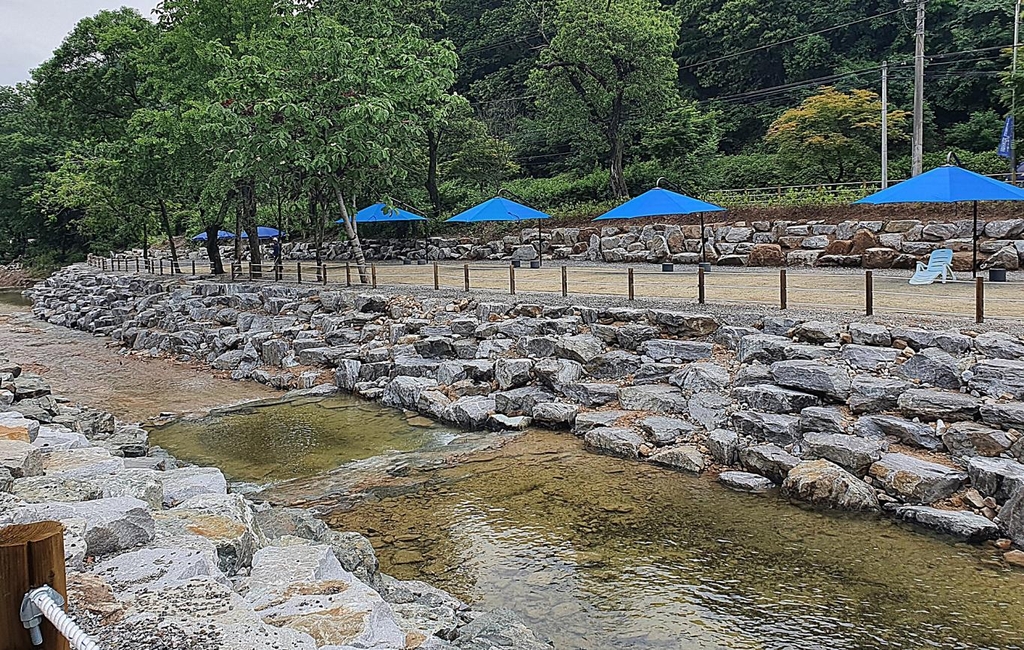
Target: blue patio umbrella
<point>659,202</point>
<point>381,213</point>
<point>221,234</point>
<point>948,184</point>
<point>502,209</point>
<point>264,232</point>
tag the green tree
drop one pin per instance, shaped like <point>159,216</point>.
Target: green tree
<point>835,133</point>
<point>606,73</point>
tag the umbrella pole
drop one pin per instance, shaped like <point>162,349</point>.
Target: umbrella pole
<point>974,259</point>
<point>703,241</point>
<point>540,244</point>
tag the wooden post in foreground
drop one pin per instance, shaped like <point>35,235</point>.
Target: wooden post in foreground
<point>565,281</point>
<point>979,300</point>
<point>348,274</point>
<point>437,280</point>
<point>373,275</point>
<point>465,271</point>
<point>629,281</point>
<point>782,289</point>
<point>700,285</point>
<point>512,279</point>
<point>31,555</point>
<point>869,293</point>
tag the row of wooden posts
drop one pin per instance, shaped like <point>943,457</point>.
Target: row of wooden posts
<point>157,267</point>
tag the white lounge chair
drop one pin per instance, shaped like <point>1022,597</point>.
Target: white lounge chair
<point>939,268</point>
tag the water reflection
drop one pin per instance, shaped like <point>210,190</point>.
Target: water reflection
<point>275,440</point>
<point>14,298</point>
<point>597,553</point>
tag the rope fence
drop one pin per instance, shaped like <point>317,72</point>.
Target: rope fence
<point>785,288</point>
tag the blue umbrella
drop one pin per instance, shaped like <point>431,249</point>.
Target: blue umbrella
<point>264,232</point>
<point>659,202</point>
<point>498,209</point>
<point>221,234</point>
<point>948,184</point>
<point>381,213</point>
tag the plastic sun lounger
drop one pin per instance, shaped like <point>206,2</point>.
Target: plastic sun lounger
<point>939,268</point>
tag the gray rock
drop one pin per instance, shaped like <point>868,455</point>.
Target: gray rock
<point>658,398</point>
<point>932,404</point>
<point>512,373</point>
<point>434,404</point>
<point>613,365</point>
<point>818,332</point>
<point>762,347</point>
<point>998,478</point>
<point>864,357</point>
<point>347,374</point>
<point>953,342</point>
<point>1009,415</point>
<point>591,419</point>
<point>914,337</point>
<point>853,453</point>
<point>20,458</point>
<point>42,489</point>
<point>182,484</point>
<point>615,440</point>
<point>724,446</point>
<point>227,521</point>
<point>752,375</point>
<point>776,428</point>
<point>580,348</point>
<point>774,399</point>
<point>779,325</point>
<point>537,347</point>
<point>960,524</point>
<point>870,334</point>
<point>683,324</point>
<point>150,569</point>
<point>555,414</point>
<point>698,377</point>
<point>591,393</point>
<point>729,336</point>
<point>500,628</point>
<point>914,480</point>
<point>685,457</point>
<point>404,392</point>
<point>668,349</point>
<point>999,345</point>
<point>917,434</point>
<point>631,336</point>
<point>873,394</point>
<point>558,372</point>
<point>472,411</point>
<point>663,430</point>
<point>142,484</point>
<point>813,377</point>
<point>111,525</point>
<point>710,410</point>
<point>997,377</point>
<point>823,419</point>
<point>1011,516</point>
<point>967,439</point>
<point>825,484</point>
<point>931,366</point>
<point>770,461</point>
<point>745,482</point>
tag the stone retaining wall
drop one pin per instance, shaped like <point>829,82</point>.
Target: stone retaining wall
<point>922,425</point>
<point>897,243</point>
<point>161,554</point>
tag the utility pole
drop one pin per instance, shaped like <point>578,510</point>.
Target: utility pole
<point>917,151</point>
<point>1013,94</point>
<point>885,124</point>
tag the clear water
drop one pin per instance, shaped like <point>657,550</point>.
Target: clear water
<point>13,297</point>
<point>276,440</point>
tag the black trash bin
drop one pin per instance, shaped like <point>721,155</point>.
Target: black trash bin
<point>535,264</point>
<point>668,268</point>
<point>406,261</point>
<point>706,266</point>
<point>997,275</point>
<point>517,263</point>
<point>421,262</point>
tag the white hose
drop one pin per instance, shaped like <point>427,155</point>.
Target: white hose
<point>54,613</point>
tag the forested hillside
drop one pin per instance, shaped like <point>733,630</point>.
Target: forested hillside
<point>217,113</point>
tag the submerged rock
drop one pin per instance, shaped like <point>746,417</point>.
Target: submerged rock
<point>615,440</point>
<point>745,482</point>
<point>823,483</point>
<point>963,525</point>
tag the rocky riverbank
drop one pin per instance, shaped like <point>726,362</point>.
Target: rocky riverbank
<point>161,555</point>
<point>922,425</point>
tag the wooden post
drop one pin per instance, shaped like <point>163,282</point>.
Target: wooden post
<point>565,281</point>
<point>700,285</point>
<point>782,289</point>
<point>629,281</point>
<point>298,271</point>
<point>31,555</point>
<point>232,270</point>
<point>465,271</point>
<point>512,279</point>
<point>325,274</point>
<point>437,280</point>
<point>373,275</point>
<point>161,266</point>
<point>193,267</point>
<point>136,266</point>
<point>250,270</point>
<point>348,274</point>
<point>979,300</point>
<point>869,293</point>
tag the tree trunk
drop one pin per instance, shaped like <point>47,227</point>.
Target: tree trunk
<point>435,195</point>
<point>349,222</point>
<point>166,222</point>
<point>238,234</point>
<point>617,177</point>
<point>213,250</point>
<point>314,221</point>
<point>248,200</point>
<point>145,238</point>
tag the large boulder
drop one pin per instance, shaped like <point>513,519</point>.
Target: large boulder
<point>825,484</point>
<point>870,334</point>
<point>683,324</point>
<point>853,453</point>
<point>872,394</point>
<point>724,446</point>
<point>614,365</point>
<point>766,255</point>
<point>404,392</point>
<point>685,457</point>
<point>745,482</point>
<point>679,351</point>
<point>999,345</point>
<point>998,478</point>
<point>914,480</point>
<point>182,484</point>
<point>699,377</point>
<point>555,414</point>
<point>112,525</point>
<point>770,461</point>
<point>997,377</point>
<point>917,434</point>
<point>867,357</point>
<point>471,411</point>
<point>662,430</point>
<point>1011,516</point>
<point>658,398</point>
<point>1008,415</point>
<point>225,521</point>
<point>931,366</point>
<point>817,332</point>
<point>931,404</point>
<point>967,439</point>
<point>580,348</point>
<point>512,373</point>
<point>772,427</point>
<point>774,399</point>
<point>959,524</point>
<point>20,458</point>
<point>813,377</point>
<point>615,440</point>
<point>765,348</point>
<point>824,419</point>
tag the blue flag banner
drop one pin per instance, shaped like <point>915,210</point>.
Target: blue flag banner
<point>1006,141</point>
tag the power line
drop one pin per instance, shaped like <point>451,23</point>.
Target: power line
<point>790,40</point>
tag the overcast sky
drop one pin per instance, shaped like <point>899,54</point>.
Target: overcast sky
<point>30,30</point>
